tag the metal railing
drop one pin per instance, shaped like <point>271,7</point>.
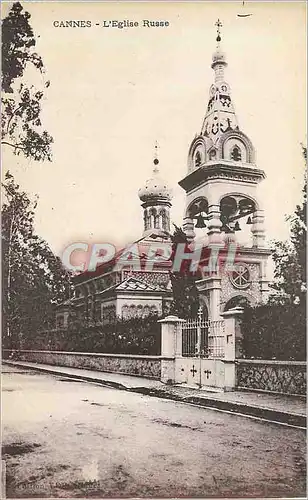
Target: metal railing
<point>203,338</point>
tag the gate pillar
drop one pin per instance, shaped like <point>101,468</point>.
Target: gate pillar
<point>232,344</point>
<point>171,347</point>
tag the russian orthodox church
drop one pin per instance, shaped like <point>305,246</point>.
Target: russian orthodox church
<point>221,198</point>
<point>142,286</point>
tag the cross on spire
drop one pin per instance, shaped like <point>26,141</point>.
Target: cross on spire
<point>219,25</point>
<point>156,160</point>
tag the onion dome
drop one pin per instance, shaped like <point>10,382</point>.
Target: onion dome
<point>155,187</point>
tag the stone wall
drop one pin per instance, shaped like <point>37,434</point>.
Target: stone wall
<point>128,364</point>
<point>285,377</point>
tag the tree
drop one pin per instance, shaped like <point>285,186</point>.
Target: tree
<point>278,329</point>
<point>33,277</point>
<point>290,257</point>
<point>21,104</point>
<point>185,302</point>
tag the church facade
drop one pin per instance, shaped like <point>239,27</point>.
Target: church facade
<point>222,200</point>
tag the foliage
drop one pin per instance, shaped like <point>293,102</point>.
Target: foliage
<point>130,336</point>
<point>185,302</point>
<point>21,105</point>
<point>33,277</point>
<point>274,332</point>
<point>290,258</point>
<point>278,329</point>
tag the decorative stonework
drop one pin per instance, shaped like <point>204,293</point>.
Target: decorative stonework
<point>226,170</point>
<point>252,292</point>
<point>240,277</point>
<point>138,310</point>
<point>142,366</point>
<point>284,377</point>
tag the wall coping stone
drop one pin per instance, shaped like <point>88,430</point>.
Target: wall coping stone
<point>271,362</point>
<point>171,319</point>
<point>104,355</point>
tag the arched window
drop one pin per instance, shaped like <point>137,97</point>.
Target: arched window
<point>132,311</point>
<point>125,312</point>
<point>162,215</point>
<point>147,220</point>
<point>139,311</point>
<point>212,154</point>
<point>236,154</point>
<point>156,221</point>
<point>238,301</point>
<point>153,218</point>
<point>146,311</point>
<point>198,159</point>
<point>153,310</point>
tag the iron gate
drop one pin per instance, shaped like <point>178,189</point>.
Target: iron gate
<point>202,338</point>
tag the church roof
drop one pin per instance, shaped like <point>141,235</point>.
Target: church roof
<point>138,250</point>
<point>132,284</point>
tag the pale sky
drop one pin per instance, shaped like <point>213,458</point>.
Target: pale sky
<point>115,91</point>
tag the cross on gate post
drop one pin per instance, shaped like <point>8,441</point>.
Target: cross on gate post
<point>207,373</point>
<point>193,370</point>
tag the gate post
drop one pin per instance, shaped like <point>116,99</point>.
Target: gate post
<point>171,347</point>
<point>232,344</point>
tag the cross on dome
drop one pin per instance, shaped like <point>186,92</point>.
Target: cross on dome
<point>155,187</point>
<point>219,25</point>
<point>156,160</point>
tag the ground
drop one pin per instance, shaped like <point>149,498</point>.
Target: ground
<point>75,439</point>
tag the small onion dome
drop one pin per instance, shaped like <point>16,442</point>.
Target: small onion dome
<point>155,187</point>
<point>219,57</point>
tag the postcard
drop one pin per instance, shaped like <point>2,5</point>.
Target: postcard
<point>153,249</point>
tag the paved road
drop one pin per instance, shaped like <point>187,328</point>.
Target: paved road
<point>74,439</point>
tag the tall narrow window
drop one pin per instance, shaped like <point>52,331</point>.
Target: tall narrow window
<point>198,159</point>
<point>212,154</point>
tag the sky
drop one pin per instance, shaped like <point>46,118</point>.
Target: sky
<point>114,92</point>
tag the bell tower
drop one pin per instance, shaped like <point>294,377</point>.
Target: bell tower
<point>221,188</point>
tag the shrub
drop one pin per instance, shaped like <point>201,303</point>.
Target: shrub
<point>274,332</point>
<point>131,336</point>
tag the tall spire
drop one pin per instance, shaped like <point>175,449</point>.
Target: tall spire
<point>220,115</point>
<point>219,58</point>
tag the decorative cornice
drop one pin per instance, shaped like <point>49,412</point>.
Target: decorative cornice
<point>221,171</point>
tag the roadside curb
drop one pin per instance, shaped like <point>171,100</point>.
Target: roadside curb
<point>272,415</point>
<point>114,385</point>
<point>239,408</point>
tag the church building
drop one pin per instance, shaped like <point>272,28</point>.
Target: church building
<point>222,202</point>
